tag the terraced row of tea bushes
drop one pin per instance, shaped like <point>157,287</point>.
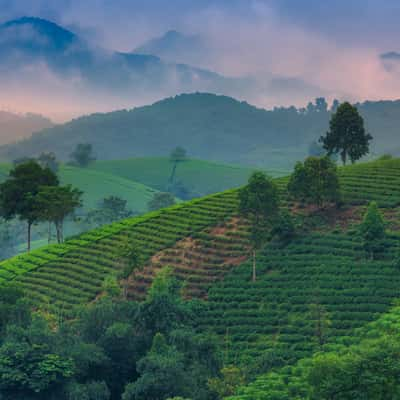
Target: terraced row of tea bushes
<point>329,272</point>
<point>378,181</point>
<point>198,261</point>
<point>72,274</point>
<point>290,382</point>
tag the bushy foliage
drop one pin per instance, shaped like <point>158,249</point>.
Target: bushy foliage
<point>315,181</point>
<point>346,134</point>
<point>372,230</point>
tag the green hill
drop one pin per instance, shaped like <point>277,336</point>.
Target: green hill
<point>266,327</point>
<point>97,184</point>
<point>210,127</point>
<point>199,177</point>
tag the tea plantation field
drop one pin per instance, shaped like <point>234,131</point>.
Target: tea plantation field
<point>321,278</point>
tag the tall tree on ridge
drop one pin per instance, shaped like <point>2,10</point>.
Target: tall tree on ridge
<point>346,135</point>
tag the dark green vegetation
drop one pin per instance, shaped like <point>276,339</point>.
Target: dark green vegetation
<point>209,127</point>
<point>317,290</point>
<point>346,136</point>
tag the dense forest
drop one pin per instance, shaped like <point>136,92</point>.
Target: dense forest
<point>209,127</point>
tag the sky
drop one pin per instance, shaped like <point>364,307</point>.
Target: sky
<point>332,48</point>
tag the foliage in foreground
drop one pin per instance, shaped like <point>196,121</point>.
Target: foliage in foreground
<point>113,349</point>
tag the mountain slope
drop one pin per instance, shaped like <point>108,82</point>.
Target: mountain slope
<point>157,231</point>
<point>265,326</point>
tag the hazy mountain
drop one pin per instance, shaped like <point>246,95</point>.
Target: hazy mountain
<point>14,127</point>
<point>175,46</point>
<point>32,41</point>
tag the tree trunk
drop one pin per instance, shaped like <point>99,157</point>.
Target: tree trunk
<point>344,157</point>
<point>254,266</point>
<point>172,177</point>
<point>49,233</point>
<point>29,236</point>
<point>62,231</point>
<point>57,224</point>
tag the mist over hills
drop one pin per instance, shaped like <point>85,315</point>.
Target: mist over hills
<point>14,127</point>
<point>43,54</point>
<point>210,127</point>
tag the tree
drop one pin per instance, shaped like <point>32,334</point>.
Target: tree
<point>321,321</point>
<point>55,203</point>
<point>161,200</point>
<point>284,228</point>
<point>231,378</point>
<point>112,208</point>
<point>30,365</point>
<point>177,156</point>
<point>259,201</point>
<point>347,134</point>
<point>372,230</point>
<point>133,261</point>
<point>48,160</point>
<point>315,181</point>
<point>82,156</point>
<point>162,373</point>
<point>370,370</point>
<point>18,193</point>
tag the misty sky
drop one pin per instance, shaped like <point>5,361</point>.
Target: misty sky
<point>330,46</point>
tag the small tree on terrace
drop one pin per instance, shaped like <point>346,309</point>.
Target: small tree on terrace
<point>54,204</point>
<point>346,134</point>
<point>133,260</point>
<point>259,202</point>
<point>315,181</point>
<point>18,193</point>
<point>372,230</point>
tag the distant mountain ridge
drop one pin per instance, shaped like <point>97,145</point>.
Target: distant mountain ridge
<point>30,40</point>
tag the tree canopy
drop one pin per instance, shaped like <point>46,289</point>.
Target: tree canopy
<point>315,181</point>
<point>82,155</point>
<point>18,193</point>
<point>347,135</point>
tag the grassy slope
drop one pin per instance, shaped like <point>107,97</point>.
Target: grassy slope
<point>201,177</point>
<point>96,185</point>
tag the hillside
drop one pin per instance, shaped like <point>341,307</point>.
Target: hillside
<point>209,127</point>
<point>97,185</point>
<point>198,176</point>
<point>266,327</point>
